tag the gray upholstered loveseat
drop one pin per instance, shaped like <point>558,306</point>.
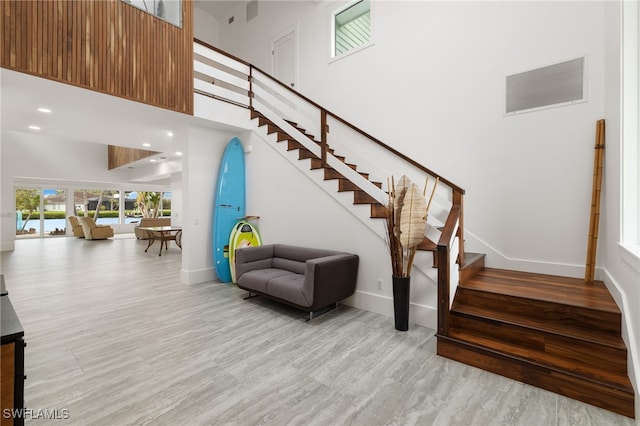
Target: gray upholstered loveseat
<point>305,278</point>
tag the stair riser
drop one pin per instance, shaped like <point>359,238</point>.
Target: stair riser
<point>345,185</point>
<point>609,398</point>
<point>306,154</point>
<point>471,269</point>
<point>549,311</point>
<point>361,197</point>
<point>595,355</point>
<point>330,174</point>
<point>378,211</point>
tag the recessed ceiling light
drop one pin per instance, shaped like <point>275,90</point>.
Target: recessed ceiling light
<point>146,144</point>
<point>32,127</point>
<point>153,160</point>
<point>179,153</point>
<point>170,133</point>
<point>45,110</point>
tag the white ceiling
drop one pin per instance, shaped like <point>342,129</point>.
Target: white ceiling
<point>91,117</point>
<point>84,115</point>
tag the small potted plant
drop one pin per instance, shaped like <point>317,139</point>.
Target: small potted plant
<point>406,222</point>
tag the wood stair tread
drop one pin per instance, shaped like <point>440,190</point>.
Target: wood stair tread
<point>546,288</point>
<point>539,324</point>
<point>575,368</point>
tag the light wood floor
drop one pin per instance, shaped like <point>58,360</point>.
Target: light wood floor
<point>114,338</point>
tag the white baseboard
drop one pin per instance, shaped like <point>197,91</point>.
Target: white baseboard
<point>418,314</point>
<point>198,276</point>
<point>628,329</point>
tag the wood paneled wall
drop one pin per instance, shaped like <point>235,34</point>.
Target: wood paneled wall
<point>120,155</point>
<point>104,45</point>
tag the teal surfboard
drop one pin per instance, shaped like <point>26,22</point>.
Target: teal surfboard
<point>229,205</point>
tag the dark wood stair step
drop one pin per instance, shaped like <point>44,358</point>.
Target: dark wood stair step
<point>616,395</point>
<point>472,265</point>
<point>560,313</point>
<point>570,302</point>
<point>316,164</point>
<point>469,309</point>
<point>306,154</point>
<point>603,357</point>
<point>345,185</point>
<point>551,288</point>
<point>330,174</point>
<point>615,380</point>
<point>293,145</point>
<point>361,197</point>
<point>263,121</point>
<point>378,211</point>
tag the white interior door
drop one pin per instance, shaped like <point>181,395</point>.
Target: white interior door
<point>284,51</point>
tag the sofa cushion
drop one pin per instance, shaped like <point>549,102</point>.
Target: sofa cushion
<point>300,254</point>
<point>259,279</point>
<point>288,264</point>
<point>288,287</point>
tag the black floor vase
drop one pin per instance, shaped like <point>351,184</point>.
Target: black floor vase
<point>401,291</point>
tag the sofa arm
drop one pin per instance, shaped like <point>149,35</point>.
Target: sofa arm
<point>251,258</point>
<point>330,279</point>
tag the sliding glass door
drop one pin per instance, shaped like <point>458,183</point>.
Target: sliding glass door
<point>40,212</point>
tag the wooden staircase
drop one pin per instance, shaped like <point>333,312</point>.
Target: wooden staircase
<point>555,333</point>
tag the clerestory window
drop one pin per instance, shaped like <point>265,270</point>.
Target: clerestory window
<point>351,27</point>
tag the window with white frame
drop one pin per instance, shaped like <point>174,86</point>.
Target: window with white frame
<point>351,27</point>
<point>630,129</point>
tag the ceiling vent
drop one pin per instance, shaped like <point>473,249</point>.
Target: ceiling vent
<point>553,85</point>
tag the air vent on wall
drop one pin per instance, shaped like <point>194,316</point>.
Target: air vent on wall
<point>252,10</point>
<point>553,85</point>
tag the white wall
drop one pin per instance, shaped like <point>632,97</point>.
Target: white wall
<point>201,161</point>
<point>432,86</point>
<point>205,26</point>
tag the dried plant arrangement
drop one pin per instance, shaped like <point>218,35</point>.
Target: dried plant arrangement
<point>406,222</point>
